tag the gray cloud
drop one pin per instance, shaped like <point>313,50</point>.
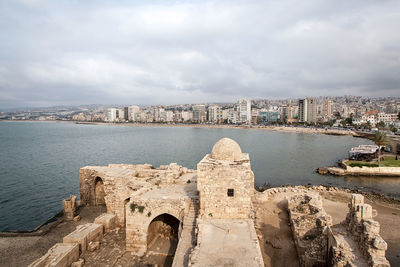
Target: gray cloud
<point>74,52</point>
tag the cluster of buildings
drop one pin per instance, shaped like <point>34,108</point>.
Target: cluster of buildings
<point>239,113</point>
<point>361,110</point>
<point>305,110</point>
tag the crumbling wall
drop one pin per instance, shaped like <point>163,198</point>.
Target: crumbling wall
<point>309,224</point>
<point>120,181</point>
<point>365,231</point>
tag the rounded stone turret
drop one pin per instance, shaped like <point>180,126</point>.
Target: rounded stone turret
<point>226,149</point>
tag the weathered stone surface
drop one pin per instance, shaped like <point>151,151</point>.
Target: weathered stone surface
<point>225,182</point>
<point>94,245</point>
<point>79,263</point>
<point>379,243</point>
<point>227,242</point>
<point>60,255</point>
<point>107,220</point>
<point>84,234</point>
<point>77,218</point>
<point>69,208</point>
<point>226,149</point>
<point>309,222</point>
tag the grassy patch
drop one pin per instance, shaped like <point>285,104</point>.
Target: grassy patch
<point>362,164</point>
<point>386,161</point>
<point>390,162</point>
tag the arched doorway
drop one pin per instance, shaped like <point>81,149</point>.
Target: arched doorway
<point>99,192</point>
<point>162,239</point>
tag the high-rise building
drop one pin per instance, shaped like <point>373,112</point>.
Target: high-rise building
<point>244,109</point>
<point>186,115</point>
<point>215,114</point>
<point>199,113</point>
<point>327,108</point>
<point>133,113</point>
<point>307,110</point>
<point>112,114</point>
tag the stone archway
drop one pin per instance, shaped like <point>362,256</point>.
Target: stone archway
<point>162,239</point>
<point>99,193</point>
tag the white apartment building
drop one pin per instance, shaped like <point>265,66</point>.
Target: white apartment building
<point>132,113</point>
<point>187,115</point>
<point>112,114</point>
<point>244,109</point>
<point>215,114</point>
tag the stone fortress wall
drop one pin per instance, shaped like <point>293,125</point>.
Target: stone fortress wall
<point>210,214</point>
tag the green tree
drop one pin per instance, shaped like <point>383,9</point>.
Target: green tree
<point>380,141</point>
<point>380,124</point>
<point>349,121</point>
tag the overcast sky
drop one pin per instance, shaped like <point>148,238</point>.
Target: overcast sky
<point>170,52</point>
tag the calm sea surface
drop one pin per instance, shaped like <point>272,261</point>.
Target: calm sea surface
<point>39,161</point>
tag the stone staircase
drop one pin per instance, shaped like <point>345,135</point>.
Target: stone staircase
<point>188,238</point>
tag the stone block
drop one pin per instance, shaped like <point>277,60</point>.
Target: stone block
<point>60,255</point>
<point>379,243</point>
<point>92,246</point>
<point>371,227</point>
<point>78,263</point>
<point>84,234</point>
<point>107,220</point>
<point>364,211</point>
<point>356,199</point>
<point>69,208</point>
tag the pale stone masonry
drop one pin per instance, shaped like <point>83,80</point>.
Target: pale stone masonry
<point>60,255</point>
<point>225,182</point>
<point>69,208</point>
<point>354,242</point>
<point>208,216</point>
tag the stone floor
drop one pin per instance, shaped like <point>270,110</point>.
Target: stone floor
<point>227,242</point>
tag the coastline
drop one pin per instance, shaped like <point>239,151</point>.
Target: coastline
<point>288,129</point>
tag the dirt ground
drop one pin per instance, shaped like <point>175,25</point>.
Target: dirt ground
<point>274,233</point>
<point>21,251</point>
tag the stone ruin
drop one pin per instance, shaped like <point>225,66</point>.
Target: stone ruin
<point>354,242</point>
<point>69,208</point>
<point>309,222</point>
<point>365,229</point>
<point>207,216</point>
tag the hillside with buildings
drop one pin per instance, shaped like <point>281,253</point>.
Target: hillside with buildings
<point>328,111</point>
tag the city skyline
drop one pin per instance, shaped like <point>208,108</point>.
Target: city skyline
<point>162,53</point>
